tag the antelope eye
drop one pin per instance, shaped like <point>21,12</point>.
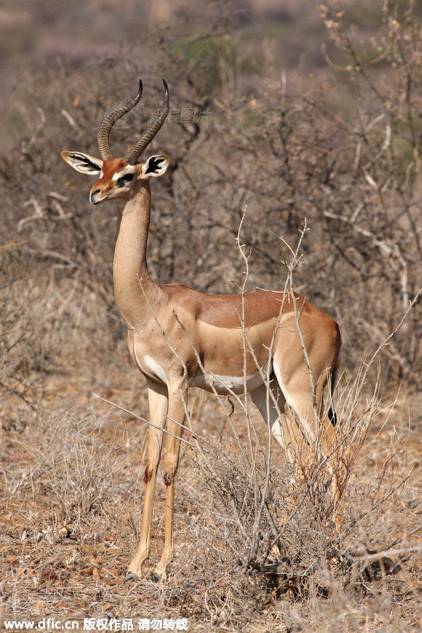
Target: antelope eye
<point>124,179</point>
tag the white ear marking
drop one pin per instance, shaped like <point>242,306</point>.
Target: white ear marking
<point>155,166</point>
<point>84,163</point>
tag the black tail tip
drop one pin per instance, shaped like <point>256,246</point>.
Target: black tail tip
<point>332,416</point>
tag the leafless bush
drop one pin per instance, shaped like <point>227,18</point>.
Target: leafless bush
<point>76,481</point>
<point>39,323</point>
<point>351,168</point>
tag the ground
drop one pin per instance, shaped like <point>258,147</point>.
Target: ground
<point>72,491</point>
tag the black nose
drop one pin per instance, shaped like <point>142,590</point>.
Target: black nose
<point>92,195</point>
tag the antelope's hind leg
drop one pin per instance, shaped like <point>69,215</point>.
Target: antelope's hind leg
<point>315,426</point>
<point>271,403</point>
<point>158,405</point>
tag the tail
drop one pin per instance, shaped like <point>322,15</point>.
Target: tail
<point>332,416</point>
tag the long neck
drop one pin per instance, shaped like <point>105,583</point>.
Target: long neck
<point>134,290</point>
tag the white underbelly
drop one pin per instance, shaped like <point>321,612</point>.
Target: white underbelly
<point>228,384</point>
<point>221,384</point>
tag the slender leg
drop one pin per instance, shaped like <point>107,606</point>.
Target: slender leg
<point>318,430</point>
<point>273,415</point>
<point>283,427</point>
<point>176,417</point>
<point>158,404</point>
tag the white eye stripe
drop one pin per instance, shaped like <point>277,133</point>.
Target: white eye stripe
<point>127,170</point>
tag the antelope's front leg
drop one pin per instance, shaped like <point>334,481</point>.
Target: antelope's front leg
<point>158,404</point>
<point>174,428</point>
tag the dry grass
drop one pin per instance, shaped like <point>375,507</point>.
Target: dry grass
<point>71,498</point>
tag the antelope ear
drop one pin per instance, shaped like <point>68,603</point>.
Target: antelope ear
<point>154,166</point>
<point>84,163</point>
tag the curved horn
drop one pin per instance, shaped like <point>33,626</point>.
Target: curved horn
<point>103,136</point>
<point>155,124</point>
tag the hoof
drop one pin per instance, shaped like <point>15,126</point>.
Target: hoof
<point>130,575</point>
<point>155,577</point>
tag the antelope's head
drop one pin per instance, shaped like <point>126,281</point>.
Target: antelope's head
<point>120,177</point>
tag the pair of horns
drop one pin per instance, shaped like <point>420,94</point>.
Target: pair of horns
<point>123,108</point>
